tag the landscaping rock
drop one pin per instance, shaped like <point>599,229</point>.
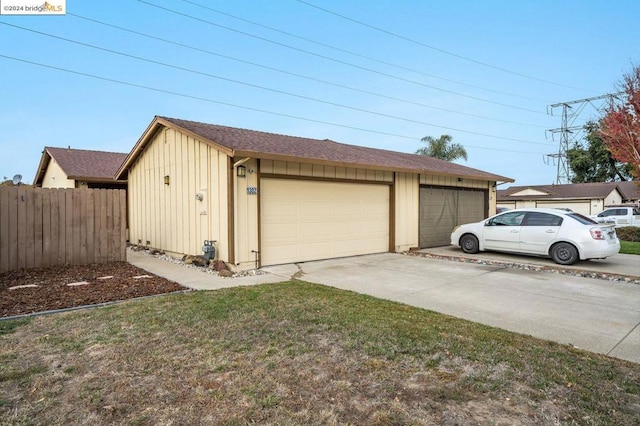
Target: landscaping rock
<point>219,265</point>
<point>188,261</point>
<point>196,261</point>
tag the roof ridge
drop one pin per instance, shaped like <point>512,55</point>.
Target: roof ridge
<point>85,150</point>
<point>173,119</point>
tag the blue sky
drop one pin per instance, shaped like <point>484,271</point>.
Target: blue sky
<point>484,72</point>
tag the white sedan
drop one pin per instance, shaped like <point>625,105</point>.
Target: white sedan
<point>564,236</point>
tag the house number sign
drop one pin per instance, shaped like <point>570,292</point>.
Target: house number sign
<point>252,190</point>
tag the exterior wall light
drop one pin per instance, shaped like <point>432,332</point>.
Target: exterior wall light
<point>241,171</point>
<point>166,180</point>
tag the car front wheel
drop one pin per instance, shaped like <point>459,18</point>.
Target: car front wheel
<point>469,244</point>
<point>564,254</point>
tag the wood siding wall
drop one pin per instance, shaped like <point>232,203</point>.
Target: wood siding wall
<point>169,216</point>
<point>288,168</point>
<point>47,227</point>
<point>246,212</point>
<point>407,202</point>
<point>55,177</point>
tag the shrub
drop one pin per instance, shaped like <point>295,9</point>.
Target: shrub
<point>629,233</point>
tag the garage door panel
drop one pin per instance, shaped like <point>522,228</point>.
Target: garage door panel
<point>278,210</point>
<point>315,208</point>
<point>441,209</point>
<point>280,234</point>
<point>323,220</point>
<point>578,207</point>
<point>315,231</point>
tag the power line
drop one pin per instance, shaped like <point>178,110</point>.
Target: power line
<point>256,86</point>
<point>339,61</point>
<point>359,55</point>
<point>342,86</point>
<point>244,107</point>
<point>437,49</point>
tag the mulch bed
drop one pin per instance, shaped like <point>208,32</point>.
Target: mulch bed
<point>106,282</point>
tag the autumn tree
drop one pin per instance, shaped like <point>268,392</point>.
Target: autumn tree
<point>442,148</point>
<point>620,126</point>
<point>591,160</point>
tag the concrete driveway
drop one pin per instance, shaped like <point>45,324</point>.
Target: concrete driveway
<point>620,264</point>
<point>593,314</point>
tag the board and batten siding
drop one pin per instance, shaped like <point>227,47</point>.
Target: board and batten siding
<point>246,216</point>
<point>288,168</point>
<point>407,201</point>
<point>169,216</point>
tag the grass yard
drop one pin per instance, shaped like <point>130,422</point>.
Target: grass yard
<point>628,247</point>
<point>297,353</point>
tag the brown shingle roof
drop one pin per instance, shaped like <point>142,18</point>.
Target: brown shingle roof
<point>256,144</point>
<point>630,190</point>
<point>82,164</point>
<point>575,191</point>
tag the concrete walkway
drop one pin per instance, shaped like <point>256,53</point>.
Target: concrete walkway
<point>194,278</point>
<point>597,315</point>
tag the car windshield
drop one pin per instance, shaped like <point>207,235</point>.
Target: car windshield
<point>582,219</point>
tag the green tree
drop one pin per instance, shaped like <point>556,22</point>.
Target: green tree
<point>592,161</point>
<point>442,148</point>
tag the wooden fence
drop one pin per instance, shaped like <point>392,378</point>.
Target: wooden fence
<point>46,227</point>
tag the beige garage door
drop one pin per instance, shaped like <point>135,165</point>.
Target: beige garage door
<point>578,207</point>
<point>309,220</point>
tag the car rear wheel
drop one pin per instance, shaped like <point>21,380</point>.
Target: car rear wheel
<point>564,254</point>
<point>469,244</point>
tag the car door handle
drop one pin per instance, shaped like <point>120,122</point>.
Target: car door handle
<point>550,231</point>
<point>515,231</point>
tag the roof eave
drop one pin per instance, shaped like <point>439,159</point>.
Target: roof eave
<point>280,157</point>
<point>42,167</point>
<point>156,124</point>
<point>95,179</point>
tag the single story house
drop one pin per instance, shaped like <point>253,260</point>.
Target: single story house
<point>269,199</point>
<point>79,168</point>
<point>585,198</point>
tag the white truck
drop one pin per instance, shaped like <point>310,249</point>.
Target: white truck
<point>620,215</point>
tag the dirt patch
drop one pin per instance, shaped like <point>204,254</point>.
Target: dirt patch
<point>38,290</point>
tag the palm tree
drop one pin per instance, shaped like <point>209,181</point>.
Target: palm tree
<point>442,148</point>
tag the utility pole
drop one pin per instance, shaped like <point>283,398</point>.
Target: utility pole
<point>570,132</point>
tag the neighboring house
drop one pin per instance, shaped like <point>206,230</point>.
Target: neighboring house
<point>271,199</point>
<point>585,198</point>
<point>79,168</point>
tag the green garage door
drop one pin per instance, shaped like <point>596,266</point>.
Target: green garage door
<point>441,209</point>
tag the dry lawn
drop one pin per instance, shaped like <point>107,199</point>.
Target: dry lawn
<point>296,353</point>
